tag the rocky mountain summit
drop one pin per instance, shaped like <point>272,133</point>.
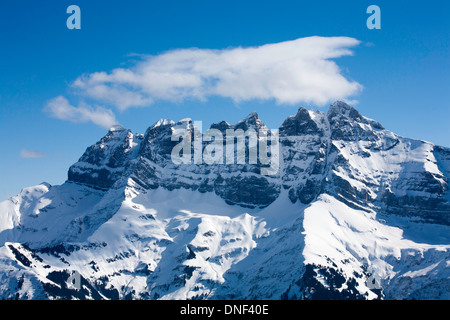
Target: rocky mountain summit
<point>354,211</point>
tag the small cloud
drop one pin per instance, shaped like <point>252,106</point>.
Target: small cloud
<point>31,154</point>
<point>60,108</point>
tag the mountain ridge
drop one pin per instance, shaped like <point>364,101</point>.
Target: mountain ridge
<point>351,203</point>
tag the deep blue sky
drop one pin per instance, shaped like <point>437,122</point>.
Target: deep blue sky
<point>404,67</point>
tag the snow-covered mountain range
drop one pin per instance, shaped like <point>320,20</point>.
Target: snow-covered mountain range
<point>354,212</point>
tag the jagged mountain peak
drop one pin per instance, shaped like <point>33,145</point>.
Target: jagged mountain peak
<point>250,121</point>
<point>341,113</point>
<point>117,128</point>
<point>163,122</point>
<point>340,107</point>
<point>221,126</point>
<point>185,121</point>
<point>303,122</point>
<point>340,110</point>
<point>251,117</point>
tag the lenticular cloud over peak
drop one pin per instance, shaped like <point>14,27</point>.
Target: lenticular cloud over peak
<point>290,72</point>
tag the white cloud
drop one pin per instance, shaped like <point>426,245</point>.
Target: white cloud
<point>289,72</point>
<point>60,108</point>
<point>31,154</point>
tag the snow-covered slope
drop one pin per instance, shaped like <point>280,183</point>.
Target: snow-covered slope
<point>355,212</point>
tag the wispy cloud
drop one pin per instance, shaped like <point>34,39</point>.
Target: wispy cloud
<point>31,154</point>
<point>60,108</point>
<point>289,72</point>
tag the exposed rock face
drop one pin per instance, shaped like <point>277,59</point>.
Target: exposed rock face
<point>341,153</point>
<point>350,202</point>
<point>105,162</point>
